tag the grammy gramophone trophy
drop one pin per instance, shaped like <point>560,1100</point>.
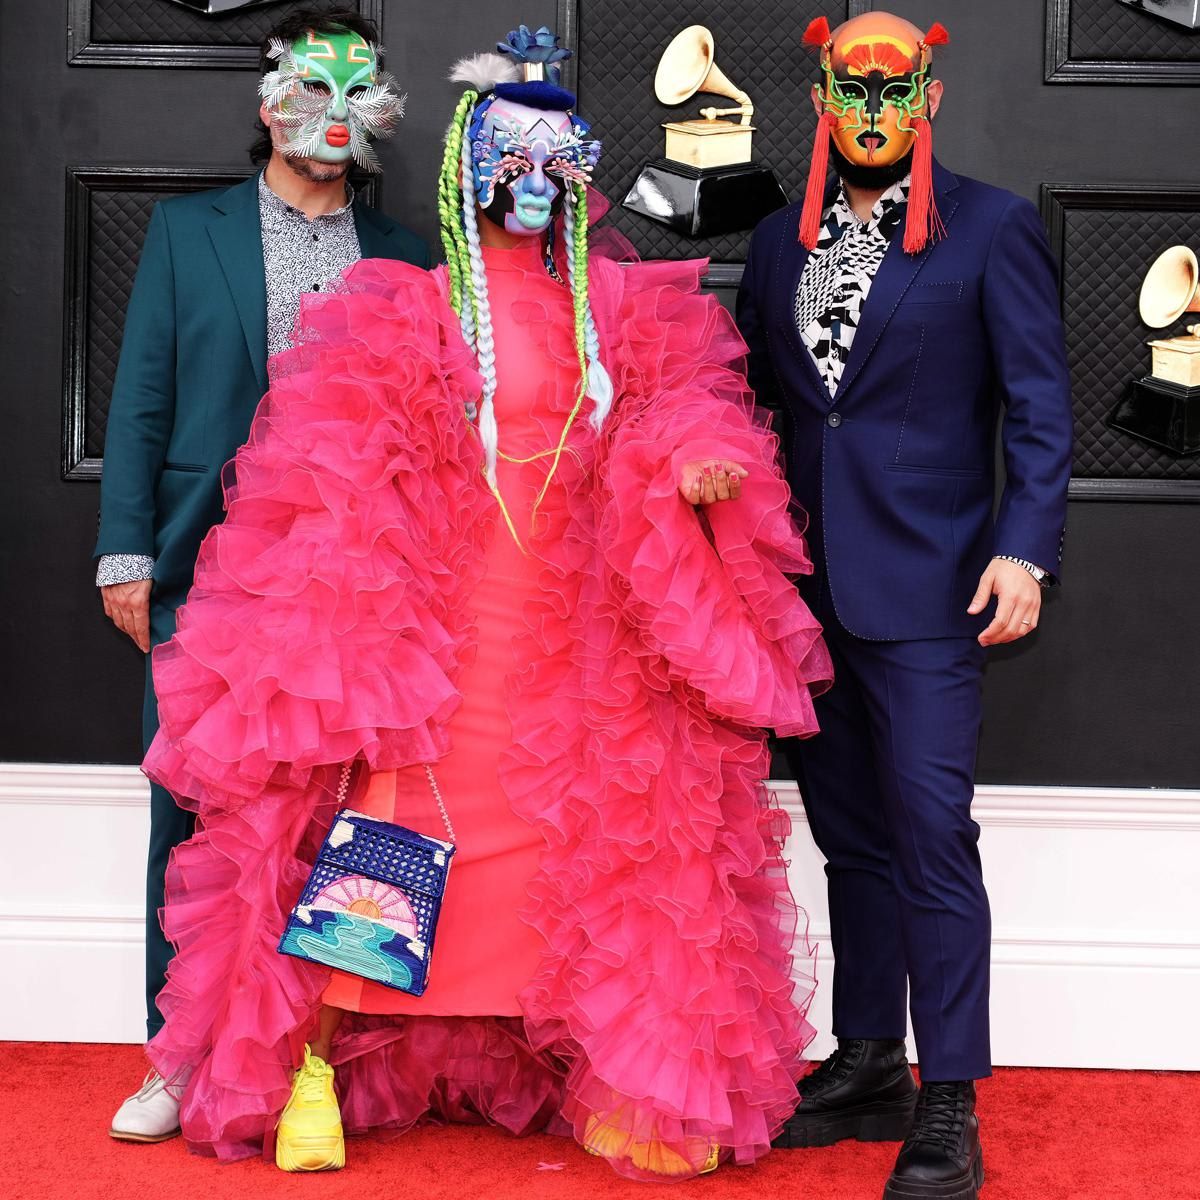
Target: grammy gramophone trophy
<point>706,184</point>
<point>1163,408</point>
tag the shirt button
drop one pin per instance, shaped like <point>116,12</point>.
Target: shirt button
<point>315,238</point>
<point>316,287</point>
<point>833,420</point>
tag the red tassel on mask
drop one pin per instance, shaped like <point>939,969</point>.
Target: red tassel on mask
<point>814,194</point>
<point>818,32</point>
<point>938,35</point>
<point>924,223</point>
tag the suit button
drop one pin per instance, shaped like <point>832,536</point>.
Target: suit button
<point>833,420</point>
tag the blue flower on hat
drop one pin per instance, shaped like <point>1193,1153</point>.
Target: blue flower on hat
<point>539,47</point>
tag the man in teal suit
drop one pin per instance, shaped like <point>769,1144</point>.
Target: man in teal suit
<point>217,291</point>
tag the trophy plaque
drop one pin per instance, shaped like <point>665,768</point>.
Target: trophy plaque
<point>216,8</point>
<point>1163,408</point>
<point>1179,12</point>
<point>706,183</point>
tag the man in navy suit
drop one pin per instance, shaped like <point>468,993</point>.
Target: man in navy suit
<point>890,319</point>
<point>217,291</point>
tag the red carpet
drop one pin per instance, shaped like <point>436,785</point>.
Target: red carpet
<point>1048,1135</point>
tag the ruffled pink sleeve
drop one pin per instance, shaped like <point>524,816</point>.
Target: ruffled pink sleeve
<point>325,620</point>
<point>724,614</point>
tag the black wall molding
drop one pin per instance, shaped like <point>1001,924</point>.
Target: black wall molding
<point>1126,227</point>
<point>1141,59</point>
<point>89,289</point>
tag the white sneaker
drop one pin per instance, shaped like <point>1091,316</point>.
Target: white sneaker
<point>151,1114</point>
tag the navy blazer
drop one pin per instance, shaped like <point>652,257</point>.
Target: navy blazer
<point>193,368</point>
<point>897,472</point>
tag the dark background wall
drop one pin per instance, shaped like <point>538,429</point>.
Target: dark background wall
<point>1107,692</point>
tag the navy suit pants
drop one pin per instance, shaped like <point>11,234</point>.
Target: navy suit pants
<point>169,825</point>
<point>887,786</point>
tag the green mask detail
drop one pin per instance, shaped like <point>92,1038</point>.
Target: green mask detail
<point>329,98</point>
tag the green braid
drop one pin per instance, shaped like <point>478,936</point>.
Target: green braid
<point>449,203</point>
<point>581,281</point>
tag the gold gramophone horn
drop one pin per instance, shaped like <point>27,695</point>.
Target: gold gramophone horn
<point>688,66</point>
<point>1171,287</point>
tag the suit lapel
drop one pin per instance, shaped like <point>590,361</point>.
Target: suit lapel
<point>236,235</point>
<point>374,235</point>
<point>894,277</point>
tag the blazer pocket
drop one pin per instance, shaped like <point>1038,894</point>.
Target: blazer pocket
<point>194,467</point>
<point>949,472</point>
<point>949,291</point>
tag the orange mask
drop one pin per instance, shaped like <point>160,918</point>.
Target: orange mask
<point>875,73</point>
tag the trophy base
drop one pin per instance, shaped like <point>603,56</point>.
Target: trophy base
<point>1162,414</point>
<point>705,202</point>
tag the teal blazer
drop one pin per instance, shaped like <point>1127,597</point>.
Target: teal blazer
<point>193,368</point>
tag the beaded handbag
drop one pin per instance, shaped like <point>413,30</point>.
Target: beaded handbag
<point>371,904</point>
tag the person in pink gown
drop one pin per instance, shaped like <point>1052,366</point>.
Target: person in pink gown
<point>517,518</point>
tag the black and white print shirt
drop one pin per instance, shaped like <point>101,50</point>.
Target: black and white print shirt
<point>839,274</point>
<point>300,254</point>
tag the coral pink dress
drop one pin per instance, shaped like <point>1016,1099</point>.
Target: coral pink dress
<point>486,954</point>
<point>617,953</point>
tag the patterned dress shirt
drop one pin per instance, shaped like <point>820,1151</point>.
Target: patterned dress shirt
<point>299,256</point>
<point>838,276</point>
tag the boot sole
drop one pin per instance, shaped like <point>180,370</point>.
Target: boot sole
<point>310,1154</point>
<point>147,1138</point>
<point>880,1122</point>
<point>965,1188</point>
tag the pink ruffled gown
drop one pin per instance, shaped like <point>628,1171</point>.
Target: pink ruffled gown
<point>615,954</point>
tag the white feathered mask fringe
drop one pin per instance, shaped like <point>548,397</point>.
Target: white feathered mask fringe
<point>373,110</point>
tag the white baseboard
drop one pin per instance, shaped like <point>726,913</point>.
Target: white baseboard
<point>1095,900</point>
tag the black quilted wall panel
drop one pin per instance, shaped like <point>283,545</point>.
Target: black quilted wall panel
<point>1106,29</point>
<point>108,214</point>
<point>117,230</point>
<point>757,46</point>
<point>1106,242</point>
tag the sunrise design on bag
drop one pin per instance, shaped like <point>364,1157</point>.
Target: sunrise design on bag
<point>370,905</point>
<point>359,925</point>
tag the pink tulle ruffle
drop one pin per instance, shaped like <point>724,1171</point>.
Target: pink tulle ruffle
<point>330,614</point>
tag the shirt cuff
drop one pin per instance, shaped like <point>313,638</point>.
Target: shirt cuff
<point>123,568</point>
<point>1039,573</point>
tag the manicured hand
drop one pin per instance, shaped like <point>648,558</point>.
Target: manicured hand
<point>710,480</point>
<point>127,605</point>
<point>1018,602</point>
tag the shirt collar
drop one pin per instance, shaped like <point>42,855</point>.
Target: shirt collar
<point>885,206</point>
<point>275,203</point>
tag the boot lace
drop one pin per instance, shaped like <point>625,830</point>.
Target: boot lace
<point>941,1116</point>
<point>833,1070</point>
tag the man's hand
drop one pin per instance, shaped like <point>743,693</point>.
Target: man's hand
<point>127,605</point>
<point>1018,602</point>
<point>710,480</point>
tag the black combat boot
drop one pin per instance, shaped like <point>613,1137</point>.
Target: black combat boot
<point>941,1158</point>
<point>864,1089</point>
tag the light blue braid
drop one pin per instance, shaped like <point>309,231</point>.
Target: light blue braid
<point>599,384</point>
<point>482,342</point>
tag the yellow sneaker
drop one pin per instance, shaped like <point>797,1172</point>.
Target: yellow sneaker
<point>309,1137</point>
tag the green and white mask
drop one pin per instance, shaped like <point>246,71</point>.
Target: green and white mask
<point>328,98</point>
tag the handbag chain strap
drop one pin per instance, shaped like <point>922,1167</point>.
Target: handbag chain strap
<point>344,791</point>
